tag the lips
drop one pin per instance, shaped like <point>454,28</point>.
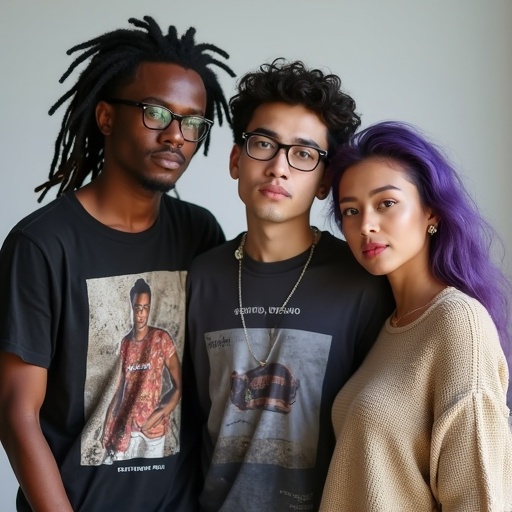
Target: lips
<point>168,159</point>
<point>274,191</point>
<point>373,249</point>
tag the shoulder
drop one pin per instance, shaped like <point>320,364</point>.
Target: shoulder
<point>464,332</point>
<point>185,211</point>
<point>51,216</point>
<point>333,242</point>
<point>216,258</point>
<point>159,333</point>
<point>50,226</point>
<point>191,223</point>
<point>464,342</point>
<point>336,251</point>
<point>458,311</point>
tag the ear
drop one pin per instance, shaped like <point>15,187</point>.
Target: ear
<point>324,185</point>
<point>104,117</point>
<point>432,216</point>
<point>234,158</point>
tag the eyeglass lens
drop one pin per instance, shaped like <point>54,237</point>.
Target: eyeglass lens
<point>303,158</point>
<point>193,128</point>
<point>139,309</point>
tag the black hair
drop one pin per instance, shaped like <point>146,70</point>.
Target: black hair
<point>115,57</point>
<point>293,83</point>
<point>139,287</point>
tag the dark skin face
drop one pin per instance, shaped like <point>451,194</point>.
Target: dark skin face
<point>141,306</point>
<point>141,164</point>
<point>151,159</point>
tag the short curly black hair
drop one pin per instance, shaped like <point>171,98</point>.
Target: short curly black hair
<point>295,84</point>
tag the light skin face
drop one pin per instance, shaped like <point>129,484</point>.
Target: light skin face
<point>384,222</point>
<point>138,156</point>
<point>272,191</point>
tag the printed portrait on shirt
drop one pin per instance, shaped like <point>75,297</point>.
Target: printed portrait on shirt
<point>136,335</point>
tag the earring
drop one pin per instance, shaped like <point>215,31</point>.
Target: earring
<point>431,230</point>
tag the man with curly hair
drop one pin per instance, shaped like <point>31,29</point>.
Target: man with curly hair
<point>281,316</point>
<point>140,109</point>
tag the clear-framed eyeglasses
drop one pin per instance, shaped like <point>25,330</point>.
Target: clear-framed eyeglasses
<point>155,117</point>
<point>301,157</point>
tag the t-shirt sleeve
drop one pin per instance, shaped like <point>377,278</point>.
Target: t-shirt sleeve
<point>26,326</point>
<point>168,346</point>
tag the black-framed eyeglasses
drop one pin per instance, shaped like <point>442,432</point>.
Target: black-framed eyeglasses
<point>301,157</point>
<point>155,117</point>
<point>138,308</point>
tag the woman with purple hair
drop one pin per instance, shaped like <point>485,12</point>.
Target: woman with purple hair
<point>423,424</point>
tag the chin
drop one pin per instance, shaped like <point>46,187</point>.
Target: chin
<point>270,215</point>
<point>153,185</point>
<point>375,270</point>
<point>378,271</point>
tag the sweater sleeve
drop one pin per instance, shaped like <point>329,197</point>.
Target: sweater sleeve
<point>471,449</point>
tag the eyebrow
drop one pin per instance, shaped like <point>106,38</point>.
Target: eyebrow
<point>297,140</point>
<point>151,100</point>
<point>373,192</point>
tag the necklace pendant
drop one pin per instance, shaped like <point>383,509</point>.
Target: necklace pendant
<point>239,253</point>
<point>262,363</point>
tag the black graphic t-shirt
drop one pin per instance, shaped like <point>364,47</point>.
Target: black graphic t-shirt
<point>267,429</point>
<point>113,349</point>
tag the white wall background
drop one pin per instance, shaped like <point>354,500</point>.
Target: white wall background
<point>444,65</point>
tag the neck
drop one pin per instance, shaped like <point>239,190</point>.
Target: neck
<point>278,242</point>
<point>140,334</point>
<point>273,338</point>
<point>119,207</point>
<point>413,293</point>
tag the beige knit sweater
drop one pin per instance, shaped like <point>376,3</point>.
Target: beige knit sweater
<point>423,424</point>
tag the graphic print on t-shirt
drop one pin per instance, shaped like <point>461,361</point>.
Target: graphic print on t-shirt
<point>271,416</point>
<point>271,387</point>
<point>133,382</point>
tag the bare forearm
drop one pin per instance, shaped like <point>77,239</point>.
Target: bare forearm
<point>35,468</point>
<point>170,405</point>
<point>174,367</point>
<point>22,391</point>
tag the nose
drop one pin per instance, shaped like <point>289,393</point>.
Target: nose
<point>172,134</point>
<point>369,224</point>
<point>278,166</point>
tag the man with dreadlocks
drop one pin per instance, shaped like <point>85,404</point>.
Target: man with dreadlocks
<point>139,111</point>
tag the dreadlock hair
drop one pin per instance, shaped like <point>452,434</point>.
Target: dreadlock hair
<point>115,57</point>
<point>292,83</point>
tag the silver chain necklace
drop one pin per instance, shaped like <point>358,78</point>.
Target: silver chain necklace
<point>395,319</point>
<point>239,255</point>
